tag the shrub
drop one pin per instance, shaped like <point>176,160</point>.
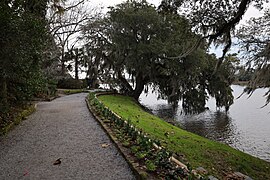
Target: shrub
<point>70,84</point>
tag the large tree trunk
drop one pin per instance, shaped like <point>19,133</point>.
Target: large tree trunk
<point>139,86</point>
<point>92,74</point>
<point>140,82</point>
<point>76,64</point>
<point>63,67</point>
<point>95,77</point>
<point>125,83</point>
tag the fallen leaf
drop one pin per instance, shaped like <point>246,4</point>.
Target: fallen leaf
<point>105,145</point>
<point>57,162</point>
<point>25,173</point>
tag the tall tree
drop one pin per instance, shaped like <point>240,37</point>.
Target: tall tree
<point>75,56</point>
<point>22,32</point>
<point>97,49</point>
<point>140,42</point>
<point>65,21</point>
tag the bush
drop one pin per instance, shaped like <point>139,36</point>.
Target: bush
<point>70,84</point>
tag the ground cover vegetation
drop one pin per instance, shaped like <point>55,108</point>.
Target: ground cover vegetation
<point>219,159</point>
<point>73,91</point>
<point>153,162</point>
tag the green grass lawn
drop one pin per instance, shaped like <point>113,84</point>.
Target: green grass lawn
<point>217,158</point>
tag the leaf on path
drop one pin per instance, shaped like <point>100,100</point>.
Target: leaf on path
<point>57,162</point>
<point>25,173</point>
<point>105,145</point>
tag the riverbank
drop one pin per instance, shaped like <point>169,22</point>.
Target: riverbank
<point>244,127</point>
<point>217,158</point>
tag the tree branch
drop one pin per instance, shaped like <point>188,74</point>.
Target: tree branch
<point>227,27</point>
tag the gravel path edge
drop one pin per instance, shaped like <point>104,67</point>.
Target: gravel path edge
<point>139,174</point>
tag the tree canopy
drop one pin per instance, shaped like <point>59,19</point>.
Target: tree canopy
<point>215,20</point>
<point>22,33</point>
<point>139,46</point>
<point>254,41</point>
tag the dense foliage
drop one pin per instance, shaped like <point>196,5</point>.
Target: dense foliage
<point>29,53</point>
<point>215,20</point>
<point>140,47</point>
<point>22,31</point>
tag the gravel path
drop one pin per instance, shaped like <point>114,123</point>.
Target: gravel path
<point>65,129</point>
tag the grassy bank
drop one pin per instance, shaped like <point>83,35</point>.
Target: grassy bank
<point>217,158</point>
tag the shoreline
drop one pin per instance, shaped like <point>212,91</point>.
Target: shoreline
<point>184,146</point>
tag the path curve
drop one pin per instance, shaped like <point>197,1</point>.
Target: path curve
<point>65,129</point>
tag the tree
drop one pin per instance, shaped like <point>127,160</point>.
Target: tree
<point>254,40</point>
<point>215,20</point>
<point>22,32</point>
<point>76,56</point>
<point>139,42</point>
<point>97,50</point>
<point>65,22</point>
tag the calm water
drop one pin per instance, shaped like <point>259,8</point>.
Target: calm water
<point>245,127</point>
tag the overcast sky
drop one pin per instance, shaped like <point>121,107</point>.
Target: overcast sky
<point>251,12</point>
<point>106,3</point>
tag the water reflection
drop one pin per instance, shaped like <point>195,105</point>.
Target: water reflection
<point>217,126</point>
<point>213,125</point>
<point>165,111</point>
<point>245,127</point>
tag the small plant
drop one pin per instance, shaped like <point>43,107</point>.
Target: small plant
<point>134,149</point>
<point>189,167</point>
<point>150,165</point>
<point>162,159</point>
<point>134,134</point>
<point>126,143</point>
<point>144,142</point>
<point>141,155</point>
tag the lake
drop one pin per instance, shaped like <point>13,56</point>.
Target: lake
<point>245,127</point>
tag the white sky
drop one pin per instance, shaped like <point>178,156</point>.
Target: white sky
<point>107,3</point>
<point>251,12</point>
